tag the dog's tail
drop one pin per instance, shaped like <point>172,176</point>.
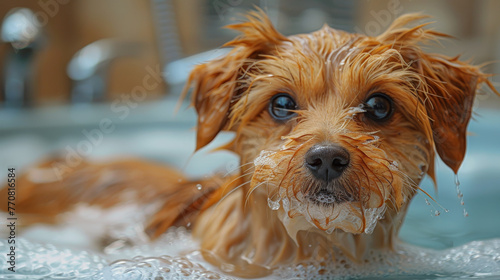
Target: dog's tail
<point>45,191</point>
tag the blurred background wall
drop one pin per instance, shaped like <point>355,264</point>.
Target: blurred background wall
<point>68,26</point>
<point>167,30</point>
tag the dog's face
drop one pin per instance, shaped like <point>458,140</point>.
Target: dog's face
<point>338,127</point>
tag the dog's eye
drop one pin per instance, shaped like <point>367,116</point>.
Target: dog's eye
<point>281,107</point>
<point>378,107</point>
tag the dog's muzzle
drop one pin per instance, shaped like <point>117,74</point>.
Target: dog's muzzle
<point>327,163</point>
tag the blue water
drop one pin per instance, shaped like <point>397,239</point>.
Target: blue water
<point>479,179</point>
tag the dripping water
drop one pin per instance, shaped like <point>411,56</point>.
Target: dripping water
<point>460,195</point>
<point>434,211</point>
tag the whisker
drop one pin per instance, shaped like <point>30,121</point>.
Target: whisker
<point>288,169</point>
<point>247,197</point>
<point>230,192</point>
<point>239,167</point>
<point>230,183</point>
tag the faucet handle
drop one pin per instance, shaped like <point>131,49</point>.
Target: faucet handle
<point>22,29</point>
<point>88,69</point>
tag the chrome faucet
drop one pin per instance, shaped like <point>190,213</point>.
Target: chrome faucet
<point>22,30</point>
<point>88,69</point>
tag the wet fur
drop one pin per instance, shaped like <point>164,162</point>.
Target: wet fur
<point>329,72</point>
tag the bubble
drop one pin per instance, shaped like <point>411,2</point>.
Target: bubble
<point>471,261</point>
<point>325,198</point>
<point>49,262</point>
<point>199,187</point>
<point>475,260</point>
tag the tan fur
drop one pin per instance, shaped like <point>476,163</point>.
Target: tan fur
<point>328,72</point>
<point>41,196</point>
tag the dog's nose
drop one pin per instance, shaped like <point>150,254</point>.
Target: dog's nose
<point>327,162</point>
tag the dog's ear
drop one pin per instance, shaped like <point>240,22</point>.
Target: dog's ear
<point>446,87</point>
<point>451,89</point>
<point>218,83</point>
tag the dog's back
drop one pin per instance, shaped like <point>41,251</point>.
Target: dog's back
<point>41,196</point>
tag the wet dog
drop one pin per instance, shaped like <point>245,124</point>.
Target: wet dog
<point>334,131</point>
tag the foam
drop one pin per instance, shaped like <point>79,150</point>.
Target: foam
<point>322,215</point>
<point>49,262</point>
<point>353,111</point>
<point>172,257</point>
<point>372,215</point>
<point>264,159</point>
<point>162,267</point>
<point>373,140</point>
<point>475,260</point>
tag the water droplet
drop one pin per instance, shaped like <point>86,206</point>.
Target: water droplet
<point>374,139</point>
<point>274,205</point>
<point>226,267</point>
<point>393,166</point>
<point>466,214</point>
<point>330,230</point>
<point>427,202</point>
<point>437,213</point>
<point>423,168</point>
<point>199,187</point>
